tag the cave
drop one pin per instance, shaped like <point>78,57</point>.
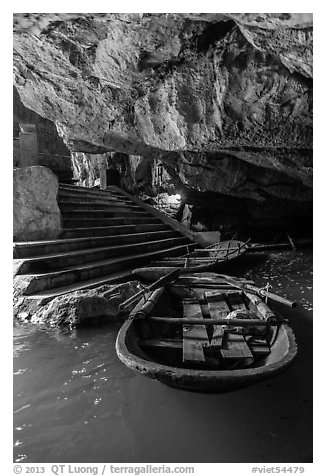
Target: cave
<point>214,107</point>
<point>152,154</point>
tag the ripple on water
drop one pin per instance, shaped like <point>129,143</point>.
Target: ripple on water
<point>20,371</point>
<point>20,458</point>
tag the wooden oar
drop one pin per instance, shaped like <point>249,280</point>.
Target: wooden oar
<point>168,278</point>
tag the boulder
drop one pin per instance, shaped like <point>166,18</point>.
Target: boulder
<point>36,214</point>
<point>85,307</point>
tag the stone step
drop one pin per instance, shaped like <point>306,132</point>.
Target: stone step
<point>38,248</point>
<point>76,274</point>
<point>87,196</point>
<point>67,203</point>
<point>96,222</point>
<point>45,296</point>
<point>104,213</point>
<point>112,230</point>
<point>92,191</point>
<point>57,261</point>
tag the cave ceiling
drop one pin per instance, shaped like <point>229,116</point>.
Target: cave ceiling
<point>223,100</point>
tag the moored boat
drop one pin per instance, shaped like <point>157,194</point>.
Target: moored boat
<point>206,334</point>
<point>199,260</point>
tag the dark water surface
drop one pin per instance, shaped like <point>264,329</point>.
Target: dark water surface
<point>74,401</point>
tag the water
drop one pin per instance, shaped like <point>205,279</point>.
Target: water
<point>74,401</point>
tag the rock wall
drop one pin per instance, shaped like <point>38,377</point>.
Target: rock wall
<point>224,101</point>
<point>36,214</point>
<point>138,175</point>
<point>52,152</point>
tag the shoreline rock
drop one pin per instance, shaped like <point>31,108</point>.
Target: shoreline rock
<point>76,309</point>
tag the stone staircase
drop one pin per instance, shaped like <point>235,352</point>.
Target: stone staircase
<point>105,235</point>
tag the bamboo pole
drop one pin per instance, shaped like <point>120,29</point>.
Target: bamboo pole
<point>262,308</point>
<point>148,305</point>
<point>206,321</point>
<point>168,278</point>
<point>260,291</point>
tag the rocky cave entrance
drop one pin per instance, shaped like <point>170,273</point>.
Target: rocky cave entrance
<point>216,108</point>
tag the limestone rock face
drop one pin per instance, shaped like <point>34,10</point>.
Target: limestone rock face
<point>223,100</point>
<point>36,214</point>
<point>87,168</point>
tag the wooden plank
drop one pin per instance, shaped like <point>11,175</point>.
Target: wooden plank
<point>218,309</point>
<point>237,348</point>
<point>259,347</point>
<point>260,351</point>
<point>162,343</point>
<point>194,336</point>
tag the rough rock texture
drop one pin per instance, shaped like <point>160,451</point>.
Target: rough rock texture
<point>76,309</point>
<point>48,141</point>
<point>36,214</point>
<point>52,152</point>
<point>87,168</point>
<point>223,100</point>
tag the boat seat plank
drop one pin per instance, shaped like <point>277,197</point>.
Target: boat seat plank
<point>259,347</point>
<point>194,336</point>
<point>260,350</point>
<point>237,348</point>
<point>236,345</point>
<point>218,309</point>
<point>162,343</point>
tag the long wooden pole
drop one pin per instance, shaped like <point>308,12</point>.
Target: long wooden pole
<point>256,290</point>
<point>205,321</point>
<point>235,283</point>
<point>274,297</point>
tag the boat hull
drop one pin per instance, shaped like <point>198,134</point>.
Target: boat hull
<point>206,381</point>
